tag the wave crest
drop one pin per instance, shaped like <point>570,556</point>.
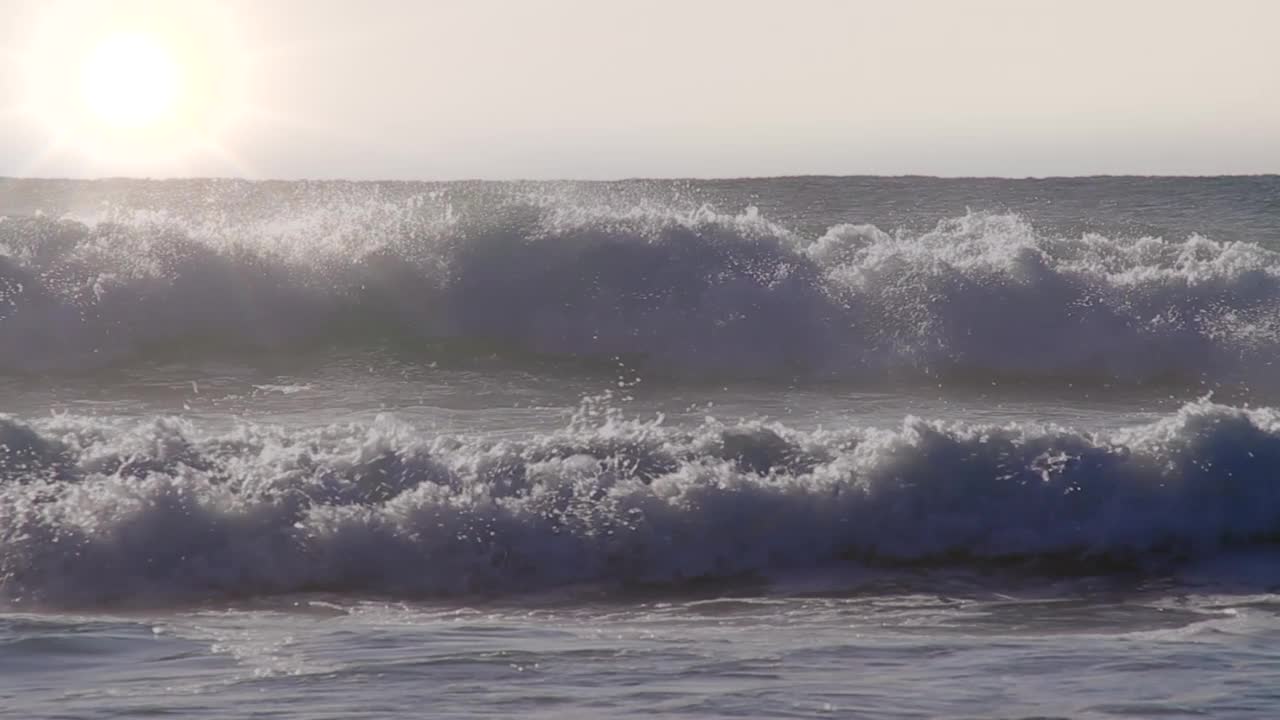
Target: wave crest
<point>118,511</point>
<point>696,293</point>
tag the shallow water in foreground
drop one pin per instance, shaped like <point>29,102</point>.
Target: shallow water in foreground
<point>1081,652</point>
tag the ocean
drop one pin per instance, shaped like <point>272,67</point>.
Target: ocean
<point>795,447</point>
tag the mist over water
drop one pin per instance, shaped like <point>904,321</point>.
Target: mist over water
<point>341,443</point>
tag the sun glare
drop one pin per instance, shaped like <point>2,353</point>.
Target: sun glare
<point>134,85</point>
<point>131,81</point>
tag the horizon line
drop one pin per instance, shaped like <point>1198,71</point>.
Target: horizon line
<point>638,178</point>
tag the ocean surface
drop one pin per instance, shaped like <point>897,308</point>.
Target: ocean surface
<point>795,447</point>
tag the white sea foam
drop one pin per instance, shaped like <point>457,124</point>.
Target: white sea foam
<point>697,293</point>
<point>120,511</point>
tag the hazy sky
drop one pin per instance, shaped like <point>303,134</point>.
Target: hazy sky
<point>618,88</point>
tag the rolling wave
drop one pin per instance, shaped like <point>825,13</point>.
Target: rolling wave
<point>99,511</point>
<point>697,293</point>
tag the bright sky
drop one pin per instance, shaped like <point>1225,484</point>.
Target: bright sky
<point>443,89</point>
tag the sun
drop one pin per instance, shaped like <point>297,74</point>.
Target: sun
<point>131,81</point>
<point>132,86</point>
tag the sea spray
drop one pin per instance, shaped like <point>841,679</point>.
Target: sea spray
<point>159,510</point>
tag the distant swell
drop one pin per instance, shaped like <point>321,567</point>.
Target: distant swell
<point>95,511</point>
<point>696,293</point>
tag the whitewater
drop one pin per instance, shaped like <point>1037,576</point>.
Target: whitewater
<point>792,447</point>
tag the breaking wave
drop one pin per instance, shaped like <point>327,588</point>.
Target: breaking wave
<point>698,293</point>
<point>127,511</point>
